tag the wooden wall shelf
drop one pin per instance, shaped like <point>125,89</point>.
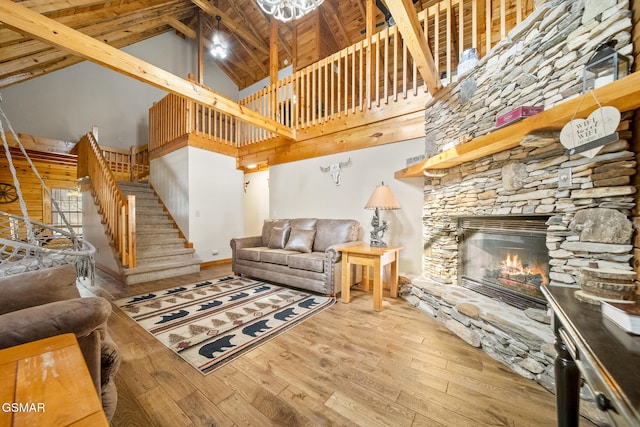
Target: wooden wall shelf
<point>624,94</point>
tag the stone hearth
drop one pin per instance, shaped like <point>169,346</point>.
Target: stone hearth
<point>588,201</point>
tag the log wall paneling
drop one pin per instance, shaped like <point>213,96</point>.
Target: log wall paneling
<point>38,205</point>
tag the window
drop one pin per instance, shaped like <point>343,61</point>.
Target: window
<point>69,202</point>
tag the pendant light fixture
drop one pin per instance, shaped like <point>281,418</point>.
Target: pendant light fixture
<point>218,47</point>
<point>287,10</point>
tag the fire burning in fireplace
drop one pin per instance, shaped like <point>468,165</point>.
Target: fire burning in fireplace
<point>514,270</point>
<point>505,258</point>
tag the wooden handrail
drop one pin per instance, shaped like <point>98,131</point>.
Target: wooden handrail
<point>118,212</point>
<point>346,83</point>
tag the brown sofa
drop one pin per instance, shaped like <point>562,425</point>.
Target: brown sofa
<point>45,303</point>
<point>298,252</point>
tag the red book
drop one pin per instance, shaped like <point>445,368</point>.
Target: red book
<point>625,315</point>
<point>517,114</point>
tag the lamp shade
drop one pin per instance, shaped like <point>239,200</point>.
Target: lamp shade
<point>382,198</point>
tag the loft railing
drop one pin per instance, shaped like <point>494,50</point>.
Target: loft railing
<point>118,212</point>
<point>174,117</point>
<point>363,77</point>
<point>127,165</point>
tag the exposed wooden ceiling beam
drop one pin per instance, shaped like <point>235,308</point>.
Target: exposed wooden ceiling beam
<point>66,60</point>
<point>232,25</point>
<point>45,7</point>
<point>331,14</point>
<point>43,53</point>
<point>183,28</point>
<point>407,21</point>
<point>105,16</point>
<point>94,24</point>
<point>36,143</point>
<point>41,27</point>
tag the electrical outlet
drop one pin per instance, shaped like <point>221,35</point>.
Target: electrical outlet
<point>215,252</point>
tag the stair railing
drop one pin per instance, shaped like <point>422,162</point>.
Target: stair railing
<point>127,165</point>
<point>118,212</point>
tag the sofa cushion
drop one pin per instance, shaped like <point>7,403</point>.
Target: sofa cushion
<point>279,237</point>
<point>304,223</point>
<point>333,231</point>
<point>313,261</point>
<point>300,240</point>
<point>268,225</point>
<point>62,286</point>
<point>276,256</point>
<point>250,254</point>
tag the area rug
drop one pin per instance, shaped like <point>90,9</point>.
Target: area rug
<point>213,322</point>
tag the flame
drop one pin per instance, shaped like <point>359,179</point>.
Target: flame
<point>512,265</point>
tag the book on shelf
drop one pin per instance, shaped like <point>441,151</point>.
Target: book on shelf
<point>625,315</point>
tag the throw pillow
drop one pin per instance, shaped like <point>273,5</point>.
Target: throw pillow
<point>301,240</point>
<point>279,237</point>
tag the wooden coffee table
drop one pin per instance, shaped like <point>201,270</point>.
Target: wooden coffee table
<point>47,383</point>
<point>370,256</point>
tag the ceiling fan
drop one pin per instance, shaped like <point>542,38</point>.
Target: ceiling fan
<point>388,19</point>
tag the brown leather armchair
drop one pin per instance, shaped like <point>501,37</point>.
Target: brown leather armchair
<point>46,303</point>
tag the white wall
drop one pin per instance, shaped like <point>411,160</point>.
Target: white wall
<point>256,202</point>
<point>203,191</point>
<point>169,176</point>
<point>93,231</point>
<point>65,104</point>
<point>300,189</point>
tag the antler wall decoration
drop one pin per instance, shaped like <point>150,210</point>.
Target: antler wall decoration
<point>336,169</point>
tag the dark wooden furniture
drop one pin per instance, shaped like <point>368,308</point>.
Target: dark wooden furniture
<point>604,355</point>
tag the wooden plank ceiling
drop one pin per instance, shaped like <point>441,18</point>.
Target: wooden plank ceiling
<point>124,22</point>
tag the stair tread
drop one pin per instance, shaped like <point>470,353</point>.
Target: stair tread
<point>164,253</point>
<point>160,267</point>
<point>152,230</point>
<point>159,241</point>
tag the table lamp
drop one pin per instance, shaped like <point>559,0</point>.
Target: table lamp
<point>382,198</point>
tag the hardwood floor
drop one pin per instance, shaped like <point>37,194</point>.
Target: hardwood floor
<point>346,366</point>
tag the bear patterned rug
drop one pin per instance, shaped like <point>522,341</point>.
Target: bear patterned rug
<point>213,322</point>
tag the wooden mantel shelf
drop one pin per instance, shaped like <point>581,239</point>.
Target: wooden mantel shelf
<point>624,94</point>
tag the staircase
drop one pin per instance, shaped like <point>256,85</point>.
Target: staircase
<point>160,251</point>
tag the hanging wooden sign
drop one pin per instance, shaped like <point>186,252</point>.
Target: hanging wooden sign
<point>587,136</point>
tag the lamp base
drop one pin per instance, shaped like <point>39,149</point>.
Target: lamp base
<point>378,244</point>
<point>379,227</point>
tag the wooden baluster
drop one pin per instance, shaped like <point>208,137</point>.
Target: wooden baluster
<point>131,226</point>
<point>487,17</point>
<point>385,64</point>
<point>338,71</point>
<point>377,67</point>
<point>362,78</point>
<point>449,35</point>
<point>345,91</point>
<point>503,19</point>
<point>395,65</point>
<point>474,25</point>
<point>313,70</point>
<point>460,30</point>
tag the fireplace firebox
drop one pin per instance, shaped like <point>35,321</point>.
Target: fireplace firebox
<point>505,257</point>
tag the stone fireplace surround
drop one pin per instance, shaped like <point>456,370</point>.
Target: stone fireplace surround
<point>540,64</point>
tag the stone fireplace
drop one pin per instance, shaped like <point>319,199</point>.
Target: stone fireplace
<point>505,258</point>
<point>582,205</point>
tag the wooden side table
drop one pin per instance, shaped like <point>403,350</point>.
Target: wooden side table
<point>47,383</point>
<point>370,256</point>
